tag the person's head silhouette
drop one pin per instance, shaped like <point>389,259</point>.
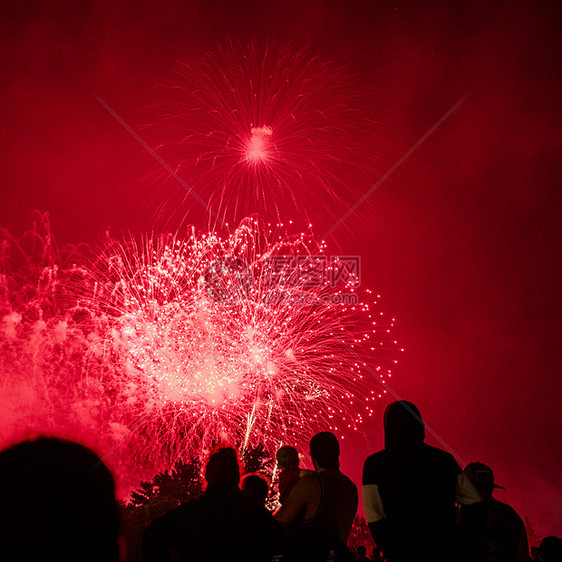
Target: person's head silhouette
<point>325,450</point>
<point>255,489</point>
<point>403,426</point>
<point>223,470</point>
<point>287,457</point>
<point>550,549</point>
<point>57,502</point>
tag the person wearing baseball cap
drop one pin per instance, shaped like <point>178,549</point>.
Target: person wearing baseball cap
<point>481,476</point>
<point>489,529</point>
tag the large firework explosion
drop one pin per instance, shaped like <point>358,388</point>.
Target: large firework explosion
<point>254,336</point>
<point>151,350</point>
<point>175,343</point>
<point>269,128</point>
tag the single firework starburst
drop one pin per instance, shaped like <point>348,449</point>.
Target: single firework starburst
<point>266,129</point>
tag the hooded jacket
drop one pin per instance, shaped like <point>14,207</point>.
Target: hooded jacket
<point>409,491</point>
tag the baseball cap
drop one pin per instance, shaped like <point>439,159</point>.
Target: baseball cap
<point>481,475</point>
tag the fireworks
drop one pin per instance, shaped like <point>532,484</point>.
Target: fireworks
<point>230,338</point>
<point>175,343</point>
<point>52,381</point>
<point>272,129</point>
<point>153,350</point>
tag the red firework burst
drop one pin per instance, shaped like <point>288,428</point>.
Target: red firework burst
<point>162,347</point>
<point>227,338</point>
<point>264,129</point>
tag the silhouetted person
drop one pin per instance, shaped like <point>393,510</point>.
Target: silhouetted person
<point>57,503</point>
<point>219,526</point>
<point>550,549</point>
<point>409,491</point>
<point>320,508</point>
<point>377,555</point>
<point>287,459</point>
<point>361,554</point>
<point>489,530</point>
<point>254,489</point>
<point>324,500</point>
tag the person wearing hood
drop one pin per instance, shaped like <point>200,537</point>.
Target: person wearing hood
<point>409,491</point>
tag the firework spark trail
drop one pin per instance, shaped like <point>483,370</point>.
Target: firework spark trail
<point>180,342</point>
<point>277,361</point>
<point>185,341</point>
<point>52,377</point>
<point>164,346</point>
<point>267,128</point>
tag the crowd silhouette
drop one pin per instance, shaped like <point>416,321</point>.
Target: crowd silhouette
<point>57,503</point>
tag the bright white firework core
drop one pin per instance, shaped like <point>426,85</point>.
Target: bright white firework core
<point>217,331</point>
<point>257,146</point>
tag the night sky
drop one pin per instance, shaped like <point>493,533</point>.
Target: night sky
<point>461,240</point>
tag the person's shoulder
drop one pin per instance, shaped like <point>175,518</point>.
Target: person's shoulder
<point>375,467</point>
<point>173,519</point>
<point>505,509</point>
<point>351,488</point>
<point>345,481</point>
<point>305,483</point>
<point>376,458</point>
<point>184,511</point>
<point>304,490</point>
<point>257,513</point>
<point>442,457</point>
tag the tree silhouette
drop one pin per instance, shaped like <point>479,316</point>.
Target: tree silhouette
<point>179,485</point>
<point>167,490</point>
<point>153,499</point>
<point>256,459</point>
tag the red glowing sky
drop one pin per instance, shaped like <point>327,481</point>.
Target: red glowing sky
<point>461,240</point>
